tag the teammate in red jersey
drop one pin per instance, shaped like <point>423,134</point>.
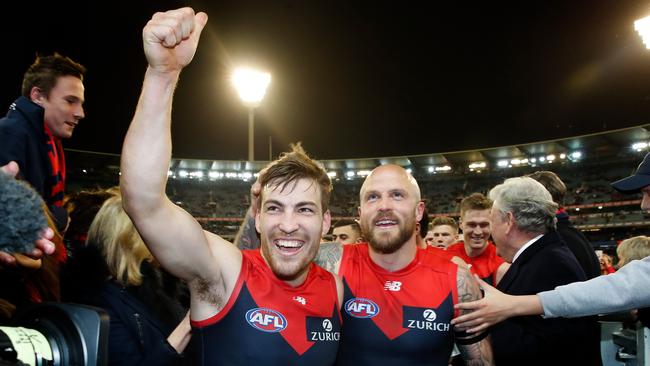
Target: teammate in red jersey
<point>476,249</point>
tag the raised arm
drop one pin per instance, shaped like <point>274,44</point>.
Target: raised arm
<point>474,348</point>
<point>174,237</point>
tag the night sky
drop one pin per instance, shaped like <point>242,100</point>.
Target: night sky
<point>354,79</point>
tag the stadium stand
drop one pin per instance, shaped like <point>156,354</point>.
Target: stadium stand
<point>217,192</point>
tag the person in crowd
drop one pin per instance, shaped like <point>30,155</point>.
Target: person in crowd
<point>268,306</point>
<point>606,264</point>
<point>82,207</point>
<point>635,248</point>
<point>48,111</point>
<point>443,233</point>
<point>148,325</point>
<point>574,239</point>
<point>575,299</point>
<point>346,231</point>
<point>476,248</point>
<point>398,298</point>
<point>523,228</point>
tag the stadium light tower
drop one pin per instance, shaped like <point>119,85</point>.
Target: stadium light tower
<point>642,26</point>
<point>251,86</point>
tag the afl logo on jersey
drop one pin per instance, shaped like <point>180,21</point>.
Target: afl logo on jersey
<point>266,320</point>
<point>361,308</point>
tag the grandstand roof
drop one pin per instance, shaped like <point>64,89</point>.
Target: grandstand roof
<point>616,144</point>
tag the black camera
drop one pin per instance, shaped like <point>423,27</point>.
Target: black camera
<point>56,334</point>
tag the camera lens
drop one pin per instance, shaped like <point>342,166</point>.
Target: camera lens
<point>56,334</point>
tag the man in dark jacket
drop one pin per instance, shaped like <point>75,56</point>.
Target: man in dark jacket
<point>574,239</point>
<point>523,228</point>
<point>49,109</point>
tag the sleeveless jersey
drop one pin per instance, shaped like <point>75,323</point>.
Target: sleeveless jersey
<point>485,265</point>
<point>268,322</point>
<point>397,318</point>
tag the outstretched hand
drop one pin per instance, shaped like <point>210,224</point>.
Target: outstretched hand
<point>494,307</point>
<point>170,39</point>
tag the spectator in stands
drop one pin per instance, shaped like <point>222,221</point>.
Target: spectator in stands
<point>148,325</point>
<point>443,233</point>
<point>523,228</point>
<point>476,248</point>
<point>626,289</point>
<point>574,239</point>
<point>347,231</point>
<point>49,109</point>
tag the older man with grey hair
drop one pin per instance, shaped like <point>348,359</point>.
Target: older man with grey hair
<point>523,229</point>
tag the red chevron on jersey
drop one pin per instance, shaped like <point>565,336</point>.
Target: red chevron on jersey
<point>382,296</point>
<point>485,265</point>
<point>263,308</point>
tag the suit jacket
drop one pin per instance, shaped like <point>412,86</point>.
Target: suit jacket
<point>533,340</point>
<point>579,245</point>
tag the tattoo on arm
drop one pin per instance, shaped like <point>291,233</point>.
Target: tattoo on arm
<point>479,353</point>
<point>329,256</point>
<point>247,237</point>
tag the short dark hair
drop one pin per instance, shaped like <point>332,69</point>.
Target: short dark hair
<point>347,222</point>
<point>475,201</point>
<point>444,220</point>
<point>293,166</point>
<point>45,71</point>
<point>553,184</point>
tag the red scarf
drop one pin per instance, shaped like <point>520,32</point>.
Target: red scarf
<point>57,162</point>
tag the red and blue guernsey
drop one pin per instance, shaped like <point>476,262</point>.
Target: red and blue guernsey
<point>485,265</point>
<point>267,322</point>
<point>397,318</point>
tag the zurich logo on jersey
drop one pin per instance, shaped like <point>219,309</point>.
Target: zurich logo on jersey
<point>361,308</point>
<point>266,320</point>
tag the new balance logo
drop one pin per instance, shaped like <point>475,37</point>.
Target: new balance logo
<point>300,299</point>
<point>392,286</point>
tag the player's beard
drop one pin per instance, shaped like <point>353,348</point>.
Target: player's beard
<point>388,241</point>
<point>290,268</point>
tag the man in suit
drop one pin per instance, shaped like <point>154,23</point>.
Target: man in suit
<point>575,240</point>
<point>523,228</point>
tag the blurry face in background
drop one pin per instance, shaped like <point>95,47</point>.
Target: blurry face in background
<point>442,236</point>
<point>476,227</point>
<point>291,224</point>
<point>346,234</point>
